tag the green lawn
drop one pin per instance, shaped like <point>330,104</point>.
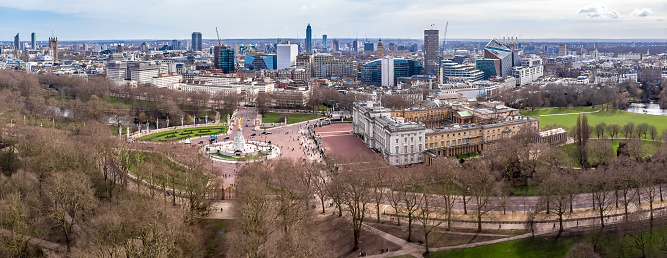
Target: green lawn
<point>618,117</point>
<point>158,168</point>
<point>467,155</point>
<point>611,244</point>
<point>571,149</point>
<point>291,117</point>
<point>526,190</point>
<point>181,134</point>
<point>526,247</point>
<point>127,101</point>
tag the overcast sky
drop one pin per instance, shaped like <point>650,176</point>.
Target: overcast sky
<point>482,19</point>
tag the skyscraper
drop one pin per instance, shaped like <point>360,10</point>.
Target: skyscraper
<point>33,40</point>
<point>431,51</point>
<point>324,43</point>
<point>17,42</point>
<point>17,45</point>
<point>309,39</point>
<point>335,45</point>
<point>355,45</point>
<point>196,41</point>
<point>224,59</point>
<point>562,50</point>
<point>286,55</point>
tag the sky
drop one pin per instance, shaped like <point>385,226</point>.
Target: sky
<point>471,19</point>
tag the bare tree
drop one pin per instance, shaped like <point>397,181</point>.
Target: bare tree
<point>483,185</point>
<point>73,200</point>
<point>429,216</point>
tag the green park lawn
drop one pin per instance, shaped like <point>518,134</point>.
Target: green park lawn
<point>619,117</point>
<point>181,134</point>
<point>156,167</point>
<point>571,149</point>
<point>611,244</point>
<point>291,117</point>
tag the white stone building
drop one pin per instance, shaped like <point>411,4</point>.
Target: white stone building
<point>400,143</point>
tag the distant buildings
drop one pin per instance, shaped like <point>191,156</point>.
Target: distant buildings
<point>326,66</point>
<point>380,49</point>
<point>196,41</point>
<point>53,45</point>
<point>454,72</point>
<point>309,39</point>
<point>324,44</point>
<point>562,50</point>
<point>431,52</point>
<point>531,68</point>
<point>508,57</point>
<point>490,67</point>
<point>33,40</point>
<point>369,46</point>
<point>286,55</point>
<point>256,61</point>
<point>373,72</point>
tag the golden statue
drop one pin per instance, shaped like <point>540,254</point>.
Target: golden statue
<point>239,124</point>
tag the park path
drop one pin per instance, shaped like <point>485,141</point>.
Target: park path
<point>574,113</point>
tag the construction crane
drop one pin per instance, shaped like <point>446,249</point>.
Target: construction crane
<point>216,33</point>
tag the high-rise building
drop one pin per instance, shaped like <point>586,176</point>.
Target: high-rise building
<point>380,49</point>
<point>562,50</point>
<point>387,67</point>
<point>175,45</point>
<point>196,41</point>
<point>225,59</point>
<point>431,51</point>
<point>355,45</point>
<point>369,46</point>
<point>324,43</point>
<point>17,42</point>
<point>33,40</point>
<point>53,45</point>
<point>508,57</point>
<point>335,45</point>
<point>286,55</point>
<point>372,72</point>
<point>309,39</point>
<point>490,67</point>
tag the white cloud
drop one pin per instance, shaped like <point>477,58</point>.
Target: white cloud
<point>599,12</point>
<point>641,12</point>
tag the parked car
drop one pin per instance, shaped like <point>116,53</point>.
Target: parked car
<point>226,138</point>
<point>201,142</point>
<point>187,142</point>
<point>254,134</point>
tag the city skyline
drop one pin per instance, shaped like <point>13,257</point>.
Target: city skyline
<point>71,20</point>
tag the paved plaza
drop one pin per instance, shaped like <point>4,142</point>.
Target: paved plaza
<point>339,140</point>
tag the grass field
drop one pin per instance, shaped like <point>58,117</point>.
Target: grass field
<point>158,168</point>
<point>618,117</point>
<point>571,149</point>
<point>611,244</point>
<point>256,156</point>
<point>291,117</point>
<point>181,134</point>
